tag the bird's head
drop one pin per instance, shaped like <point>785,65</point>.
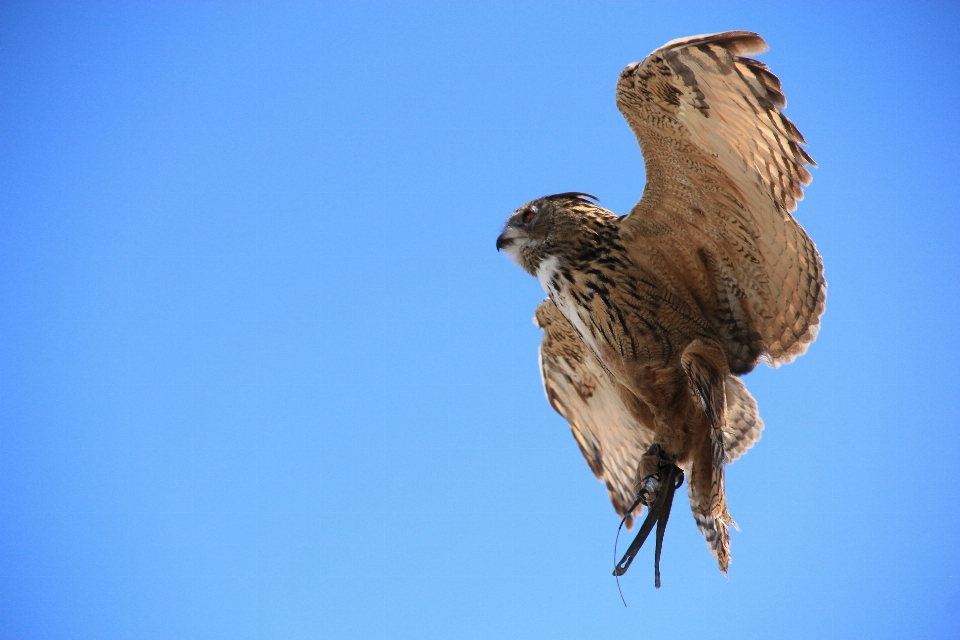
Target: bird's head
<point>539,229</point>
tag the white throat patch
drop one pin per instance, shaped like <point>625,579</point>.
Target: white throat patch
<point>513,249</point>
<point>545,274</point>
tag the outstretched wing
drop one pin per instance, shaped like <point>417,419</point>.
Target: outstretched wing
<point>581,391</point>
<point>725,169</point>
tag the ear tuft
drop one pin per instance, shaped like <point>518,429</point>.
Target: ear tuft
<point>572,195</point>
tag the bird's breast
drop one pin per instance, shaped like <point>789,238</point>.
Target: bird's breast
<point>556,283</point>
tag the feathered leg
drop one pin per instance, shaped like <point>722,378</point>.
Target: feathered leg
<point>706,368</point>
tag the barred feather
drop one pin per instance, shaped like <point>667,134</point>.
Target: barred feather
<point>651,317</point>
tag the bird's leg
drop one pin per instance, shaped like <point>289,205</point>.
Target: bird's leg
<point>706,369</point>
<point>655,490</point>
<point>648,475</point>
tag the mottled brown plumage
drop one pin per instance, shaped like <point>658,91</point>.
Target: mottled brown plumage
<point>651,316</point>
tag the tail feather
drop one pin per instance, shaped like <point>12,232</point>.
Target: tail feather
<point>716,531</point>
<point>743,425</point>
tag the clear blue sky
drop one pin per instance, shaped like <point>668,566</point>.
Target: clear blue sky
<point>264,375</point>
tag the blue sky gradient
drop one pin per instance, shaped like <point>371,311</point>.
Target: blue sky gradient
<point>263,373</point>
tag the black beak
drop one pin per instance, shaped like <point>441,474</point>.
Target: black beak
<point>503,243</point>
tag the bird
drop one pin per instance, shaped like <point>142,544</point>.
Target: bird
<point>652,317</point>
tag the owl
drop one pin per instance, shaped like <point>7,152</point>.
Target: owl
<point>652,317</point>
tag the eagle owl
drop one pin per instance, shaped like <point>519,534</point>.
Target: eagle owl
<point>652,317</point>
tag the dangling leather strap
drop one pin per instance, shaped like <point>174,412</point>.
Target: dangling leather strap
<point>658,513</point>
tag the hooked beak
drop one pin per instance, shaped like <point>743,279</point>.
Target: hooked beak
<point>503,242</point>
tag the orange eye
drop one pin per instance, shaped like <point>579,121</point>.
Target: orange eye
<point>528,215</point>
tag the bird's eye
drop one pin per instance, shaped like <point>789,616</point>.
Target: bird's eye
<point>528,215</point>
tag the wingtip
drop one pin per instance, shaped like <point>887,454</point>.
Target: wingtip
<point>743,43</point>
